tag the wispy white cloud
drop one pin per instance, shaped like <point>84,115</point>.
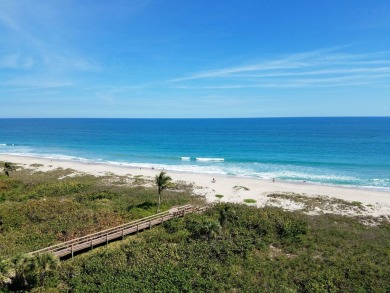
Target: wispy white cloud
<point>320,68</point>
<point>266,66</point>
<point>299,82</point>
<point>16,61</point>
<point>292,61</point>
<point>321,72</point>
<point>68,61</point>
<point>35,37</point>
<point>29,83</point>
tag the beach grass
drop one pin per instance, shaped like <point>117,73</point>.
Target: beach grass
<point>224,249</point>
<point>320,203</point>
<point>250,200</point>
<point>240,187</point>
<point>37,209</point>
<point>230,246</point>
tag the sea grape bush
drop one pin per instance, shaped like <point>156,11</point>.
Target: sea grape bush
<point>229,248</point>
<point>38,210</point>
<point>257,250</point>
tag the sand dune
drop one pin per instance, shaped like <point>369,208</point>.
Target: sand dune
<point>315,198</point>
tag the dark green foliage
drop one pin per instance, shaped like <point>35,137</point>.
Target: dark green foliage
<point>291,229</point>
<point>163,181</point>
<point>7,273</point>
<point>38,210</point>
<point>249,200</point>
<point>32,272</point>
<point>230,248</point>
<point>202,227</point>
<point>8,167</point>
<point>258,250</point>
<point>173,226</point>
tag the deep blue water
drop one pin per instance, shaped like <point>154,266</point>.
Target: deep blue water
<point>338,151</point>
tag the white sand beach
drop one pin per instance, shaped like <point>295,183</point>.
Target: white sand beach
<point>314,198</point>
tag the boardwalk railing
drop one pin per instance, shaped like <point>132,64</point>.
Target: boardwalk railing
<point>89,241</point>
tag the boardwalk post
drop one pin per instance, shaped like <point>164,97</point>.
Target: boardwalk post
<point>82,243</point>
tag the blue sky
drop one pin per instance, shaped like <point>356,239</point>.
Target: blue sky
<point>200,58</point>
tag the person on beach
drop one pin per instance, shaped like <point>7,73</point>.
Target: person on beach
<point>273,179</point>
<point>213,181</point>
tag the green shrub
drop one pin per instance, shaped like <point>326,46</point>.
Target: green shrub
<point>228,248</point>
<point>333,254</point>
<point>202,227</point>
<point>250,200</point>
<point>291,229</point>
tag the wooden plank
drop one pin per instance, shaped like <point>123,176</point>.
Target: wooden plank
<point>91,240</point>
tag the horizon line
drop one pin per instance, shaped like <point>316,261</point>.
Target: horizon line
<point>182,118</point>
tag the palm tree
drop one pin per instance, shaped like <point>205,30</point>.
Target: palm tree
<point>7,168</point>
<point>42,264</point>
<point>163,181</point>
<point>21,263</point>
<point>211,229</point>
<point>7,272</point>
<point>32,270</point>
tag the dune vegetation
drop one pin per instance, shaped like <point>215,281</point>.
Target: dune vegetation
<point>229,248</point>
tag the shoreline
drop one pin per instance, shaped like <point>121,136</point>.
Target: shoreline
<point>150,166</point>
<point>233,188</point>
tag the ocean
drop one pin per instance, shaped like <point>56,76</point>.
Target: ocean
<point>353,151</point>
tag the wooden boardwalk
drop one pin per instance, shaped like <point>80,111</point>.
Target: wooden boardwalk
<point>69,248</point>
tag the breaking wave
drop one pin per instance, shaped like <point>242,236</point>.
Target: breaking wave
<point>210,159</point>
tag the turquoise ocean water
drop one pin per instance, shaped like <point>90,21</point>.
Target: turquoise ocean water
<point>335,151</point>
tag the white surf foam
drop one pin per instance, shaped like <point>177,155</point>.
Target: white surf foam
<point>210,159</point>
<point>50,156</point>
<point>185,158</point>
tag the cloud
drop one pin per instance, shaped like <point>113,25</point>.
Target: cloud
<point>292,61</point>
<point>69,62</point>
<point>36,33</point>
<point>320,68</point>
<point>16,61</point>
<point>28,83</point>
<point>38,53</point>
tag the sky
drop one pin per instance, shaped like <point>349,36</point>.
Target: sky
<point>194,59</point>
